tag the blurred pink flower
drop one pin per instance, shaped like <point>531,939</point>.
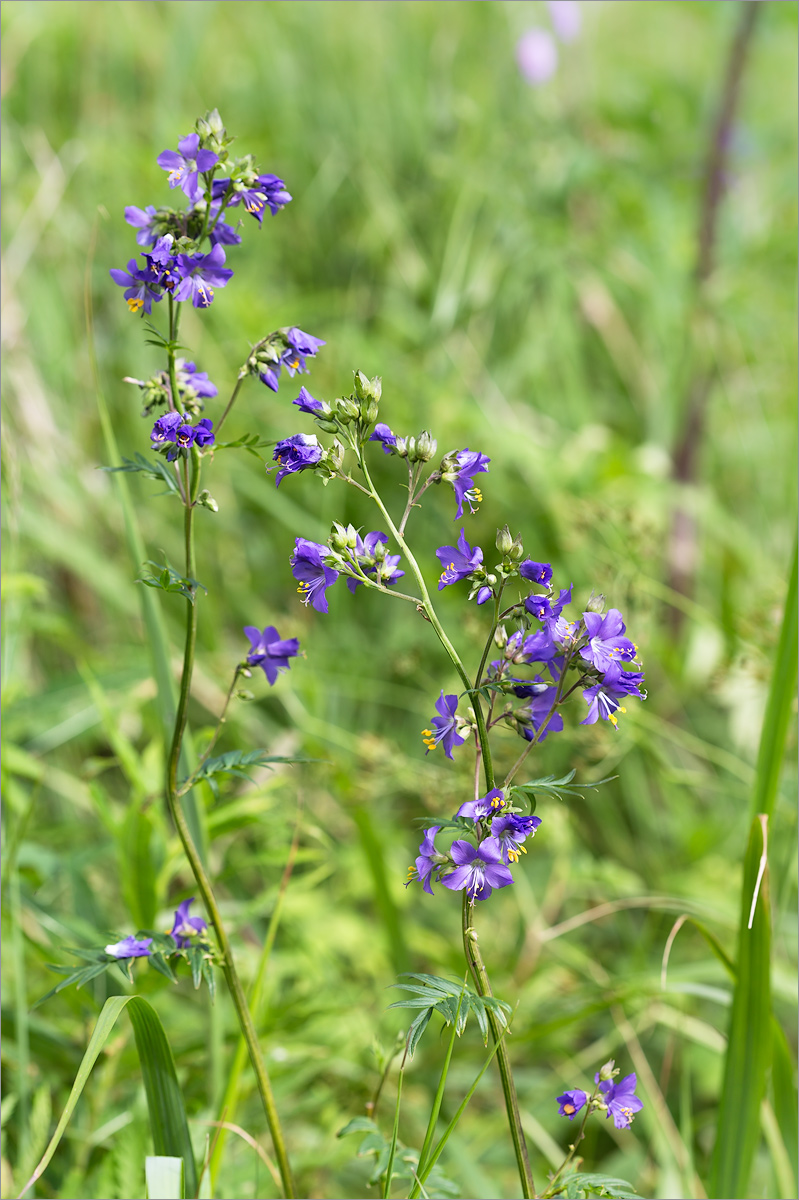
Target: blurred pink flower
<point>537,56</point>
<point>566,18</point>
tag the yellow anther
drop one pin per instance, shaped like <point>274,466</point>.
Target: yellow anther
<point>134,304</point>
<point>569,1109</point>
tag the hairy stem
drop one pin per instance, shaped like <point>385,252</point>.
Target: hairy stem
<point>480,976</point>
<point>189,848</point>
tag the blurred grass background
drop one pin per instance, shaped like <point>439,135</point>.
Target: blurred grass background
<point>517,264</point>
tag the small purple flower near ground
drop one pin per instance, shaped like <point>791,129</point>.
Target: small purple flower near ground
<point>478,869</point>
<point>571,1103</point>
<point>269,651</point>
<point>310,570</point>
<point>186,927</point>
<point>458,561</point>
<point>621,1100</point>
<point>185,165</point>
<point>201,274</point>
<point>296,453</point>
<point>445,726</point>
<point>130,947</point>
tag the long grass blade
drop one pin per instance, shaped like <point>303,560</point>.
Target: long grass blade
<point>779,706</point>
<point>164,1099</point>
<point>749,1048</point>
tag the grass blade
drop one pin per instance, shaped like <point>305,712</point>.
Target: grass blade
<point>749,1049</point>
<point>164,1099</point>
<point>778,707</point>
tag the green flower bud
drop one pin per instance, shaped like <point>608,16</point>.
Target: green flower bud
<point>206,499</point>
<point>410,449</point>
<point>369,410</point>
<point>500,636</point>
<point>595,603</point>
<point>504,540</point>
<point>517,549</point>
<point>426,446</point>
<point>342,538</point>
<point>607,1071</point>
<point>401,447</point>
<point>335,455</point>
<point>327,426</point>
<point>362,387</point>
<point>244,694</point>
<point>346,410</point>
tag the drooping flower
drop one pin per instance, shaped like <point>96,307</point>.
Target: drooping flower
<point>370,555</point>
<point>485,806</point>
<point>571,1103</point>
<point>314,576</point>
<point>621,1100</point>
<point>140,285</point>
<point>458,561</point>
<point>478,869</point>
<point>204,433</point>
<point>510,831</point>
<point>201,274</point>
<point>537,56</point>
<point>427,861</point>
<point>186,927</point>
<point>533,715</point>
<point>445,726</point>
<point>545,607</point>
<point>483,594</point>
<point>383,434</point>
<point>604,698</point>
<point>300,346</point>
<point>186,164</point>
<point>165,428</point>
<point>142,220</point>
<point>269,651</point>
<point>189,379</point>
<point>269,191</point>
<point>459,469</point>
<point>306,403</point>
<point>130,947</point>
<point>536,572</point>
<point>296,453</point>
<point>607,643</point>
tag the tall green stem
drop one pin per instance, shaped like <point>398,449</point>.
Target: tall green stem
<point>195,862</point>
<point>483,985</point>
<point>430,612</point>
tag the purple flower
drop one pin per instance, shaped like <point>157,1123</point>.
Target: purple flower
<point>606,641</point>
<point>140,284</point>
<point>510,831</point>
<point>186,927</point>
<point>165,428</point>
<point>458,561</point>
<point>300,346</point>
<point>479,870</point>
<point>537,56</point>
<point>621,1100</point>
<point>483,594</point>
<point>130,947</point>
<point>306,403</point>
<point>269,651</point>
<point>201,274</point>
<point>185,164</point>
<point>185,435</point>
<point>533,714</point>
<point>384,435</point>
<point>428,861</point>
<point>223,234</point>
<point>547,609</point>
<point>269,192</point>
<point>485,806</point>
<point>296,453</point>
<point>536,572</point>
<point>571,1103</point>
<point>534,647</point>
<point>190,379</point>
<point>458,470</point>
<point>204,433</point>
<point>308,567</point>
<point>142,219</point>
<point>269,376</point>
<point>445,726</point>
<point>374,561</point>
<point>566,18</point>
<point>604,698</point>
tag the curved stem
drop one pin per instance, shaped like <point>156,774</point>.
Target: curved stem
<point>195,862</point>
<point>242,375</point>
<point>483,985</point>
<point>432,616</point>
<point>542,727</point>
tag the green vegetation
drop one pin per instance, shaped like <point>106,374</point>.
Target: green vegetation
<point>518,265</point>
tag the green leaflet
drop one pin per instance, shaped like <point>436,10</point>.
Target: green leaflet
<point>168,1122</point>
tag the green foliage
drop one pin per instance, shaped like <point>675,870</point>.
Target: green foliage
<point>236,762</point>
<point>170,580</point>
<point>150,468</point>
<point>548,785</point>
<point>405,1160</point>
<point>453,1001</point>
<point>585,1184</point>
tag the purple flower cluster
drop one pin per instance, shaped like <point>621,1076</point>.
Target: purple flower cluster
<point>174,432</point>
<point>184,927</point>
<point>459,469</point>
<point>293,349</point>
<point>480,866</point>
<point>269,651</point>
<point>618,1100</point>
